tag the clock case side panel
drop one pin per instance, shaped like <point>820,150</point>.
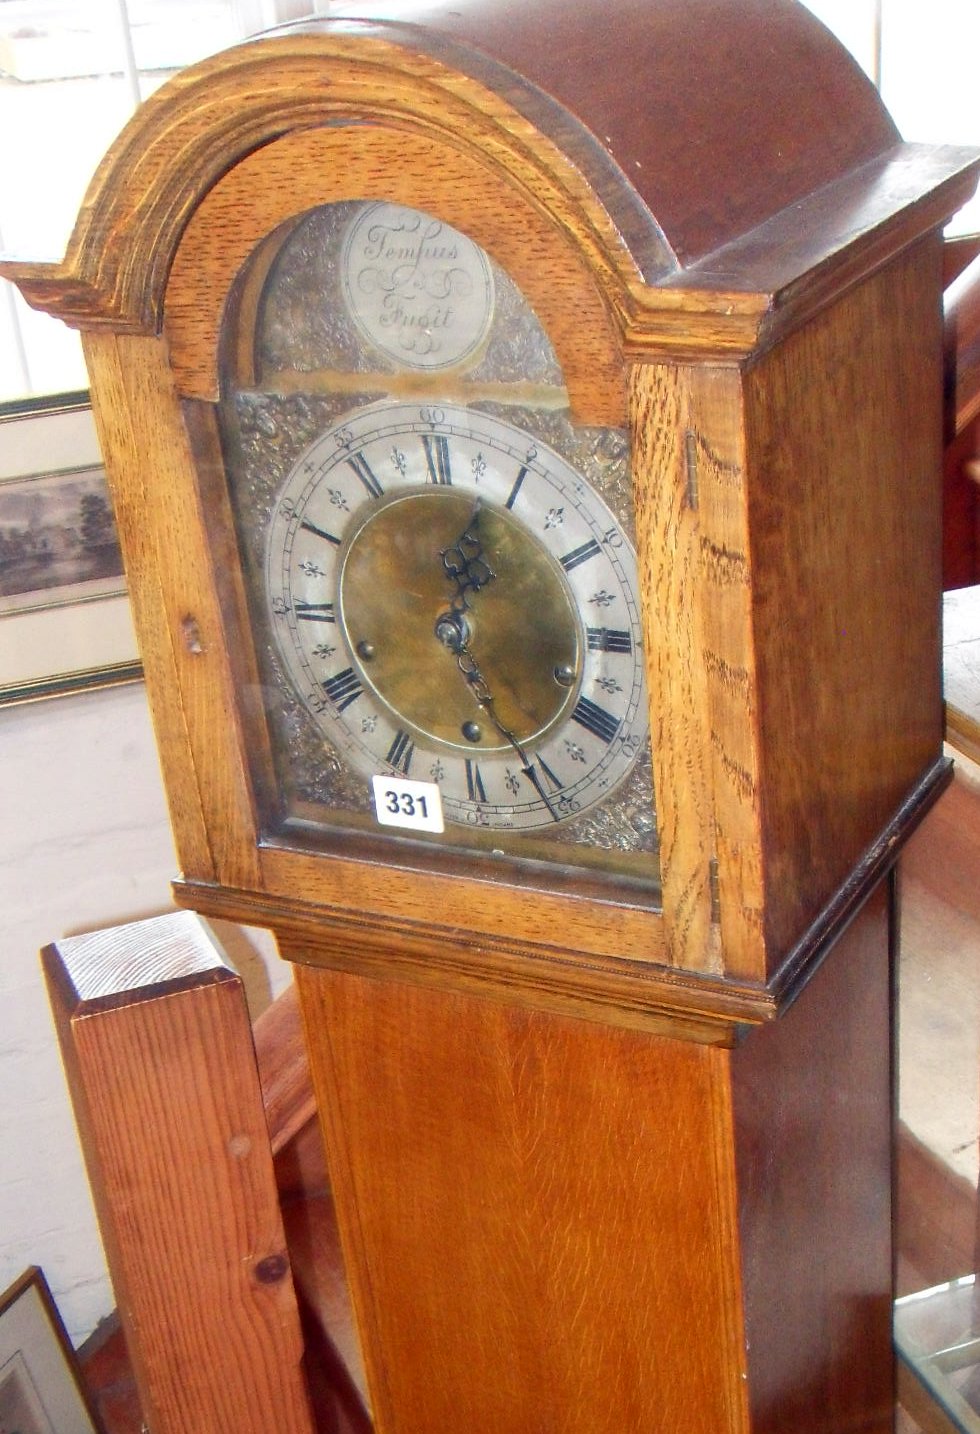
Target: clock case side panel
<point>819,504</point>
<point>812,1098</point>
<point>171,576</point>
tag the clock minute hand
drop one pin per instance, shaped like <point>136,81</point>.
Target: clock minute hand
<point>536,783</point>
<point>466,566</point>
<point>468,666</point>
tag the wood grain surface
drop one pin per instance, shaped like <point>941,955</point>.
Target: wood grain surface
<point>173,580</point>
<point>284,1070</point>
<point>501,1176</point>
<point>294,174</point>
<point>727,662</point>
<point>537,1215</point>
<point>844,441</point>
<point>574,1192</point>
<point>812,1097</point>
<point>671,575</point>
<point>167,1098</point>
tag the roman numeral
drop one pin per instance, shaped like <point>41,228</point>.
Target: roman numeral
<point>475,789</point>
<point>437,457</point>
<point>556,783</point>
<point>588,550</point>
<point>608,639</point>
<point>400,752</point>
<point>314,611</point>
<point>595,719</point>
<point>309,527</point>
<point>344,688</point>
<point>516,489</point>
<point>362,468</point>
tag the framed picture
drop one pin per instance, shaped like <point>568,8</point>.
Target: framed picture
<point>41,1391</point>
<point>65,623</point>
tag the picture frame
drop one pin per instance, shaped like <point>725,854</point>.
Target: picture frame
<point>65,623</point>
<point>41,1387</point>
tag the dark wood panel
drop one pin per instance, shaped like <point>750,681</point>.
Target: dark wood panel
<point>812,1097</point>
<point>759,92</point>
<point>843,445</point>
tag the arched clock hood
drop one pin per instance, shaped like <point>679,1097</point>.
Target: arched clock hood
<point>763,154</point>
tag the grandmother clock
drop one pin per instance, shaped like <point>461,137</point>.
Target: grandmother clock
<point>524,427</point>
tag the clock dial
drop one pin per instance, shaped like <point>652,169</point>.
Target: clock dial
<point>453,602</point>
<point>438,566</point>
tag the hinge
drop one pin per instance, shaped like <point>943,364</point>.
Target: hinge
<point>713,889</point>
<point>691,456</point>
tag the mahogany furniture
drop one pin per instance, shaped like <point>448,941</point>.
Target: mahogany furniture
<point>606,1098</point>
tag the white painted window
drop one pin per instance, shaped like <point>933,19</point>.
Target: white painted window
<point>71,74</point>
<point>72,71</point>
<point>922,55</point>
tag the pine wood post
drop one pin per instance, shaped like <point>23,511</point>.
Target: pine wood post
<point>157,1046</point>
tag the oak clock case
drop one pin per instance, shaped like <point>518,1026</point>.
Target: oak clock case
<point>439,564</point>
<point>614,1143</point>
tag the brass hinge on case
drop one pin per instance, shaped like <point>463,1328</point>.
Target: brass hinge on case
<point>713,889</point>
<point>691,457</point>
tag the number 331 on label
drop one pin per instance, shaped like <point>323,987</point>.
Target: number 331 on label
<point>401,803</point>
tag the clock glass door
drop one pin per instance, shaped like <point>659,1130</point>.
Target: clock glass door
<point>439,567</point>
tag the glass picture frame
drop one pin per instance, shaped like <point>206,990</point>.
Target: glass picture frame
<point>41,1386</point>
<point>65,622</point>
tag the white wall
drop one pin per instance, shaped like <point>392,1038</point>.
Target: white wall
<point>84,843</point>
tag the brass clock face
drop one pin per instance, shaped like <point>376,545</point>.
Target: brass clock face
<point>455,604</point>
<point>438,562</point>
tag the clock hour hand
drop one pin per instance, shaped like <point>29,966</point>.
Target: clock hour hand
<point>466,567</point>
<point>464,563</point>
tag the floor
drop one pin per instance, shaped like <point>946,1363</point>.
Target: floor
<point>110,1380</point>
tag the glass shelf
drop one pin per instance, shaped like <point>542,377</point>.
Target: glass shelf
<point>937,1334</point>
